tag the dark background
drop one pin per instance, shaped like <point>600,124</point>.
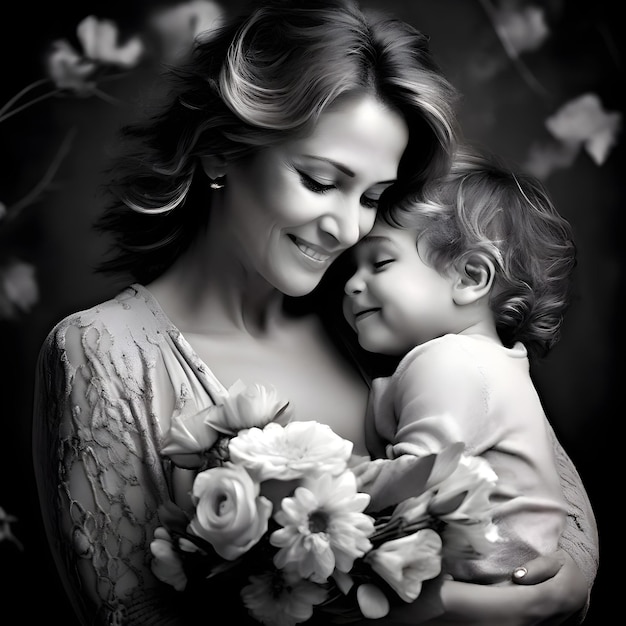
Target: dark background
<point>579,381</point>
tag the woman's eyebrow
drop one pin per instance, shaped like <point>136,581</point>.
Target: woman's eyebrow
<point>342,168</point>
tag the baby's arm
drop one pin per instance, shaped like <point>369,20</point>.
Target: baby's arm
<point>452,390</point>
<point>418,425</point>
<point>434,400</point>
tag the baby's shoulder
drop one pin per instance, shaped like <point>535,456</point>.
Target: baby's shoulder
<point>450,356</point>
<point>465,348</point>
<point>446,349</point>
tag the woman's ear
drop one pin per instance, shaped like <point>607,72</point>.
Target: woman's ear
<point>474,279</point>
<point>214,166</point>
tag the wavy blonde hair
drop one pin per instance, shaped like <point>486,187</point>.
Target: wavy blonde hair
<point>256,82</point>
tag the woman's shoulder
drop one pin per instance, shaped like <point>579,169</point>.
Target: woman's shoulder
<point>128,316</point>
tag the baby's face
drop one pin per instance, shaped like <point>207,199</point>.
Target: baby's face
<point>394,300</point>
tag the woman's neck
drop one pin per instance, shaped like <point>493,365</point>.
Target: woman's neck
<point>208,290</point>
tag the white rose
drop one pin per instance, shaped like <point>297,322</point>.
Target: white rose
<point>230,514</point>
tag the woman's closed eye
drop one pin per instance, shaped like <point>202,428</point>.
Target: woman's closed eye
<point>314,185</point>
<point>317,186</point>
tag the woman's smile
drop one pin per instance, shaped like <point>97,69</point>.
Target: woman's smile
<point>311,251</point>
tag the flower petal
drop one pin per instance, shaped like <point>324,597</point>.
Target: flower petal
<point>372,601</point>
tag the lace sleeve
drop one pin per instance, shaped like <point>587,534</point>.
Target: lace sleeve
<point>580,537</point>
<point>99,477</point>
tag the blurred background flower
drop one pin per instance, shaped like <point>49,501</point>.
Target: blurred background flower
<point>6,534</point>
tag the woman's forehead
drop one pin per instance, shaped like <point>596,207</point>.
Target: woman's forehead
<point>358,133</point>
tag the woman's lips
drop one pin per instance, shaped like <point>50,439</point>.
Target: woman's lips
<point>310,251</point>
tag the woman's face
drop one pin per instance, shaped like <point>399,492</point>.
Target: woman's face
<point>292,209</point>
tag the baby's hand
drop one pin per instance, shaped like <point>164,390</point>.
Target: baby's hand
<point>389,481</point>
<point>366,472</point>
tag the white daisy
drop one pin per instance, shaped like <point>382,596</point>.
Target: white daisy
<point>323,527</point>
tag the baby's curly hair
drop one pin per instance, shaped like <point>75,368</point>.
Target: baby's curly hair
<point>482,207</point>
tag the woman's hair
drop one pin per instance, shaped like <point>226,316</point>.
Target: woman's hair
<point>256,82</point>
<point>484,209</point>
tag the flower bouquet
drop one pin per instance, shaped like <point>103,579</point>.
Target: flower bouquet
<point>283,514</point>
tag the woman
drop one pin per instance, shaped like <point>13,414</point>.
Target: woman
<point>283,136</point>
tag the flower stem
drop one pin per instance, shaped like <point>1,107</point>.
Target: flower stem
<point>399,528</point>
<point>106,97</point>
<point>30,197</point>
<point>510,51</point>
<point>23,92</point>
<point>30,103</point>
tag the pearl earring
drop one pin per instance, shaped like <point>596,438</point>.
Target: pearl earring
<point>218,183</point>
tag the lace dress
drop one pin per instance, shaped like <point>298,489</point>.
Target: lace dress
<point>108,378</point>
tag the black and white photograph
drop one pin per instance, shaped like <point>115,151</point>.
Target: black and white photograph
<point>309,312</point>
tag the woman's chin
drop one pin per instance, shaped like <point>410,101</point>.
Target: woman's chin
<point>301,287</point>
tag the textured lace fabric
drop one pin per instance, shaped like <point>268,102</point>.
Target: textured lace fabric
<point>108,381</point>
<point>580,537</point>
<point>105,376</point>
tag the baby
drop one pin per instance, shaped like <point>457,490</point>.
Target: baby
<point>463,284</point>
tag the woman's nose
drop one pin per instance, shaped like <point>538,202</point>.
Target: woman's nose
<point>348,223</point>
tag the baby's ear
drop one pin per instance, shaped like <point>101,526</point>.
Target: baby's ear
<point>214,166</point>
<point>473,280</point>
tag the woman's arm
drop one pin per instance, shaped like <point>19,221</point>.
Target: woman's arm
<point>98,481</point>
<point>452,603</point>
<point>555,588</point>
<point>548,603</point>
<point>580,537</point>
